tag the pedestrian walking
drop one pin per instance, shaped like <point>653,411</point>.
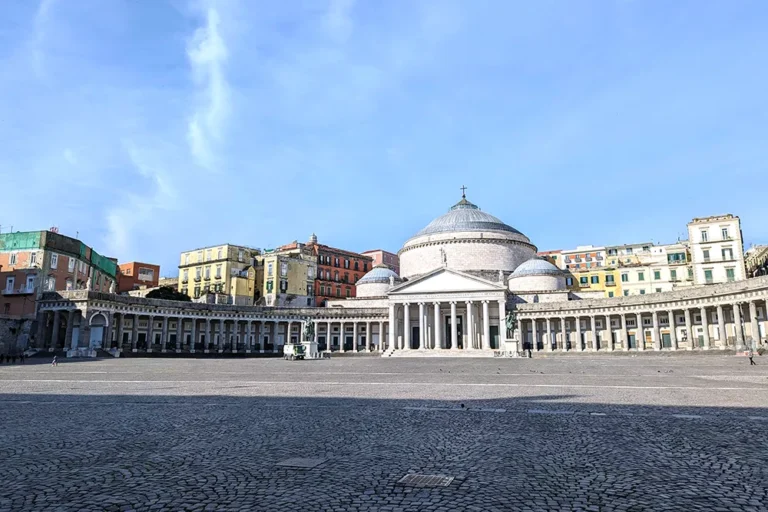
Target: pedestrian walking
<point>21,358</point>
<point>751,355</point>
<point>54,362</point>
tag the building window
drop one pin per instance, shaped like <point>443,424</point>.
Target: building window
<point>283,269</point>
<point>705,254</point>
<point>185,291</point>
<point>708,276</point>
<point>626,293</point>
<point>336,262</point>
<point>727,254</point>
<point>207,255</point>
<point>54,260</point>
<point>690,272</point>
<point>146,274</point>
<point>629,250</point>
<point>704,235</point>
<point>609,279</point>
<point>322,290</point>
<point>336,275</point>
<point>69,285</point>
<point>646,248</point>
<point>724,232</point>
<point>12,260</point>
<point>594,280</point>
<point>9,284</point>
<point>658,290</point>
<point>346,277</point>
<point>641,276</point>
<point>198,272</point>
<point>610,294</point>
<point>185,276</point>
<point>219,254</point>
<point>208,272</point>
<point>186,259</point>
<point>338,291</point>
<point>569,281</point>
<point>283,285</point>
<point>197,291</point>
<point>50,283</point>
<point>346,263</point>
<point>365,266</point>
<point>310,273</point>
<point>583,280</point>
<point>673,275</point>
<point>354,279</point>
<point>624,278</point>
<point>240,255</point>
<point>309,290</point>
<point>657,275</point>
<point>730,275</point>
<point>218,270</point>
<point>642,292</point>
<point>269,269</point>
<point>328,275</point>
<point>349,292</point>
<point>270,286</point>
<point>357,265</point>
<point>199,256</point>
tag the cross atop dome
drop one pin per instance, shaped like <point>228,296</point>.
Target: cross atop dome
<point>463,192</point>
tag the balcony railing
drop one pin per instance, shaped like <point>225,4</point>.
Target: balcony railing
<point>610,283</point>
<point>198,279</point>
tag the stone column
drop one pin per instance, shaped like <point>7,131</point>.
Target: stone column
<point>656,332</point>
<point>354,337</point>
<point>275,330</point>
<point>640,332</point>
<point>672,330</point>
<point>120,330</point>
<point>56,325</point>
<point>548,337</point>
<point>179,334</point>
<point>392,329</point>
<point>564,328</point>
<point>316,330</point>
<point>753,327</point>
<point>579,344</point>
<point>705,326</point>
<point>454,340</point>
<point>503,327</point>
<point>722,338</point>
<point>208,334</point>
<point>469,342</point>
<point>486,327</point>
<point>406,326</point>
<point>328,336</point>
<point>422,327</point>
<point>193,336</point>
<point>689,329</point>
<point>534,335</point>
<point>593,328</point>
<point>438,337</point>
<point>150,333</point>
<point>164,335</point>
<point>380,346</point>
<point>134,331</point>
<point>260,335</point>
<point>368,336</point>
<point>342,337</point>
<point>624,333</point>
<point>739,346</point>
<point>608,327</point>
<point>249,339</point>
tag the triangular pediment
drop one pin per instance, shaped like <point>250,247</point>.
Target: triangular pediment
<point>444,280</point>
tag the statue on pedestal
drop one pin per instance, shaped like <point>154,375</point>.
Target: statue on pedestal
<point>511,322</point>
<point>309,330</point>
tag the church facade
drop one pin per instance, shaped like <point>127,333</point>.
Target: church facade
<point>469,286</point>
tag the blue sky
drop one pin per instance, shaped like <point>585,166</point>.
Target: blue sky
<point>153,127</point>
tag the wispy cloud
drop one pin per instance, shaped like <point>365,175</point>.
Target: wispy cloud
<point>207,54</point>
<point>39,35</point>
<point>338,19</point>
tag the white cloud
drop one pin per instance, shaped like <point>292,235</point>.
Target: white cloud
<point>40,34</point>
<point>207,54</point>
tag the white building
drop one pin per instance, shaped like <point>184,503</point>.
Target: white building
<point>717,249</point>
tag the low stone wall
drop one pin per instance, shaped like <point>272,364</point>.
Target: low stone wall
<point>15,334</point>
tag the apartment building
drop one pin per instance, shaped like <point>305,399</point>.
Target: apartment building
<point>220,269</point>
<point>135,275</point>
<point>717,249</point>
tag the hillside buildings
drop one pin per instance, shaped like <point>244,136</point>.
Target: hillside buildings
<point>382,257</point>
<point>135,275</point>
<point>225,269</point>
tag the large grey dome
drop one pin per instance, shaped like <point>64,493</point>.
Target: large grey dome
<point>465,216</point>
<point>536,267</point>
<point>379,274</point>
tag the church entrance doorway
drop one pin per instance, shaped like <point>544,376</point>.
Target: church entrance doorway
<point>632,341</point>
<point>447,331</point>
<point>666,341</point>
<point>415,331</point>
<point>495,337</point>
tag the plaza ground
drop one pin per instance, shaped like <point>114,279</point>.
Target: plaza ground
<point>602,433</point>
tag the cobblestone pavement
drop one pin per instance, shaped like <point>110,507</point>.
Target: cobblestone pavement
<point>570,433</point>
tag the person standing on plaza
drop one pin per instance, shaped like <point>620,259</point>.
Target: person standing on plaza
<point>54,362</point>
<point>751,355</point>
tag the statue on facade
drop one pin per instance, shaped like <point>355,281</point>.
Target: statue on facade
<point>112,287</point>
<point>309,331</point>
<point>511,321</point>
<point>443,257</point>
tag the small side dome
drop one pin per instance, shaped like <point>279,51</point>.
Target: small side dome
<point>377,282</point>
<point>537,275</point>
<point>536,267</point>
<point>379,274</point>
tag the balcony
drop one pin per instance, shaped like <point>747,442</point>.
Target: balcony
<point>184,281</point>
<point>219,277</point>
<point>198,279</point>
<point>207,278</point>
<point>24,290</point>
<point>610,283</point>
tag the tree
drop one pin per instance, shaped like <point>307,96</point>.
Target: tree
<point>168,293</point>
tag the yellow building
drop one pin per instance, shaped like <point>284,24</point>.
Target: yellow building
<point>603,279</point>
<point>224,269</point>
<point>287,277</point>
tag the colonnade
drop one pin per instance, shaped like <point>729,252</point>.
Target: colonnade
<point>735,325</point>
<point>467,323</point>
<point>324,328</point>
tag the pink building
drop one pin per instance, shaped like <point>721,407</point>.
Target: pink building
<point>382,257</point>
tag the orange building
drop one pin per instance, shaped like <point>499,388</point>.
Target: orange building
<point>135,275</point>
<point>382,257</point>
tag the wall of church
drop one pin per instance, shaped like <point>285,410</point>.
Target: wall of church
<point>462,255</point>
<point>536,283</point>
<point>539,297</point>
<point>358,302</point>
<point>372,289</point>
